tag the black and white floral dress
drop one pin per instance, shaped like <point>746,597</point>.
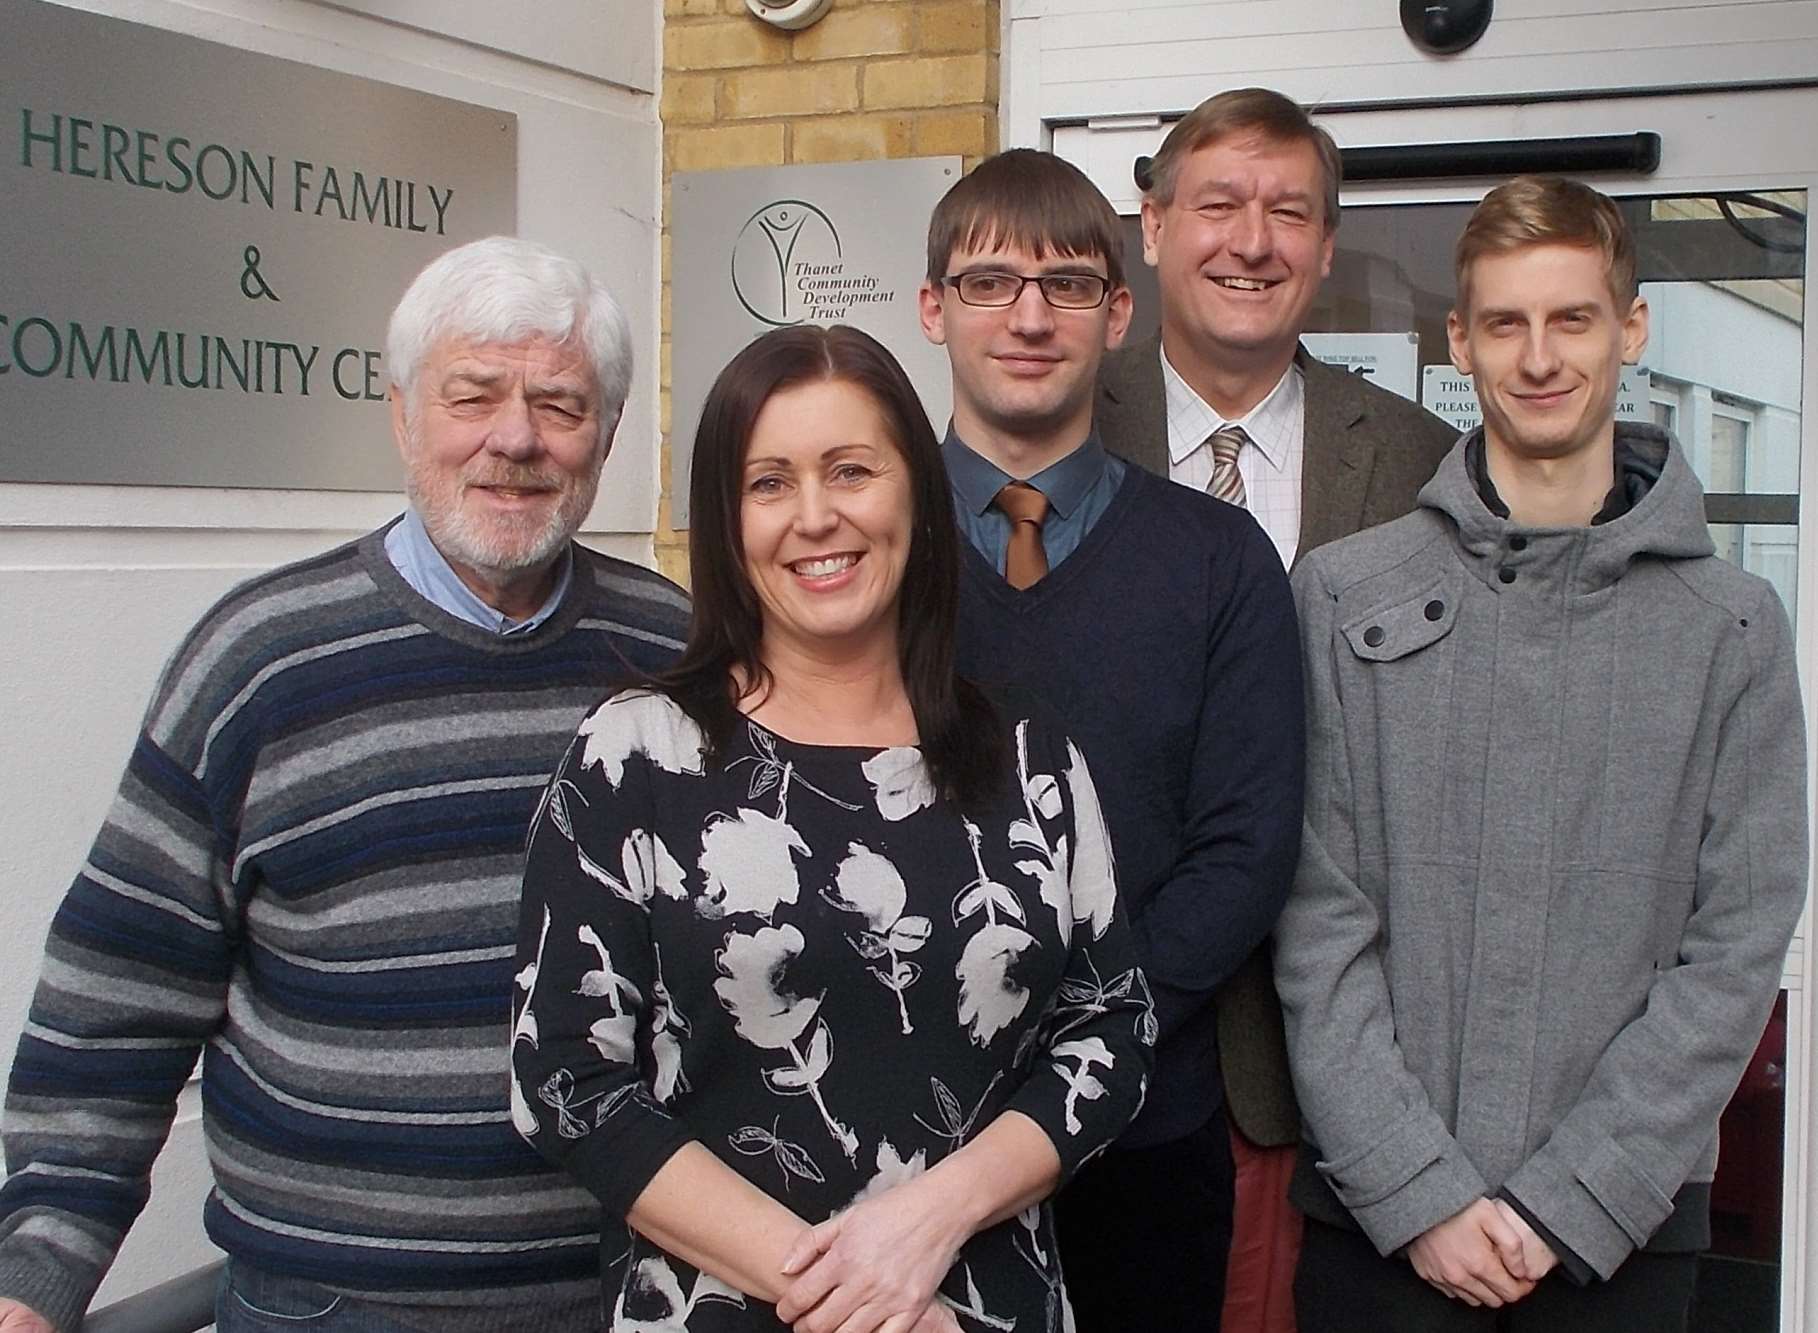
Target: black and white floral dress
<point>801,958</point>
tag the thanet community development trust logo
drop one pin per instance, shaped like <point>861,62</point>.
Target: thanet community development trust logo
<point>788,267</point>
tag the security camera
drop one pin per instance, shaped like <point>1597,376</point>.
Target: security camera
<point>789,14</point>
<point>1443,27</point>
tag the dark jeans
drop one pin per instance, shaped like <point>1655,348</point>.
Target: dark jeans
<point>1343,1283</point>
<point>1145,1236</point>
<point>252,1300</point>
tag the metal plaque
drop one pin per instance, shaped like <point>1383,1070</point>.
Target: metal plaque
<point>200,249</point>
<point>767,247</point>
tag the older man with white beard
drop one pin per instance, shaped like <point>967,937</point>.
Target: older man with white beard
<point>310,873</point>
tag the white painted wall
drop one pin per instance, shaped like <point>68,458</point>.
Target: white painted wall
<point>1078,59</point>
<point>98,583</point>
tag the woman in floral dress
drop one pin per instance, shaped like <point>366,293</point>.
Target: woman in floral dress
<point>823,984</point>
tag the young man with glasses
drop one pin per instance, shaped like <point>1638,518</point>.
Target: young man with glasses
<point>1157,619</point>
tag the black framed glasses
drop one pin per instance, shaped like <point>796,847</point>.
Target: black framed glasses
<point>1063,291</point>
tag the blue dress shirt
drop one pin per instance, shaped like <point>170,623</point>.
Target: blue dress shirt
<point>1079,489</point>
<point>426,570</point>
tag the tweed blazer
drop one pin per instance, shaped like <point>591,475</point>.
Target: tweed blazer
<point>1368,453</point>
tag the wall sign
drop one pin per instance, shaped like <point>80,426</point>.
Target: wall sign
<point>200,249</point>
<point>768,247</point>
<point>1389,360</point>
<point>1451,396</point>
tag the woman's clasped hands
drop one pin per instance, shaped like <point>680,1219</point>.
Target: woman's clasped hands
<point>877,1266</point>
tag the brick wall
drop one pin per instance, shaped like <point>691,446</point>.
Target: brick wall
<point>873,79</point>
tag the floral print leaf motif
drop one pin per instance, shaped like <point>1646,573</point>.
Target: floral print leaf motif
<point>1044,794</point>
<point>892,1171</point>
<point>1147,1030</point>
<point>668,1027</point>
<point>613,1036</point>
<point>748,861</point>
<point>1081,1085</point>
<point>650,869</point>
<point>955,1124</point>
<point>984,894</point>
<point>770,771</point>
<point>523,1119</point>
<point>1049,864</point>
<point>989,1000</point>
<point>869,885</point>
<point>793,1080</point>
<point>652,1289</point>
<point>900,778</point>
<point>1082,999</point>
<point>974,1305</point>
<point>752,968</point>
<point>557,1093</point>
<point>1093,878</point>
<point>756,1141</point>
<point>610,735</point>
<point>600,874</point>
<point>612,1101</point>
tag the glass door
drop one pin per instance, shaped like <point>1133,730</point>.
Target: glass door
<point>1724,251</point>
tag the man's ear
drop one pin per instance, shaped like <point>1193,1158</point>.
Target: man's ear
<point>934,316</point>
<point>608,431</point>
<point>1635,332</point>
<point>400,429</point>
<point>1123,305</point>
<point>1152,225</point>
<point>1456,342</point>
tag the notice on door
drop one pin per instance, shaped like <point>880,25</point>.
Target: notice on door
<point>1448,395</point>
<point>1391,360</point>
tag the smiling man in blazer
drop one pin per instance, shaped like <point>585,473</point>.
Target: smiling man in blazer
<point>1239,221</point>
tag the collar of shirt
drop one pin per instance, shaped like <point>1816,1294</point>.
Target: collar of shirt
<point>977,480</point>
<point>1270,424</point>
<point>426,570</point>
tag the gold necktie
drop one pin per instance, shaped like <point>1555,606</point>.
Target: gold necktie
<point>1025,561</point>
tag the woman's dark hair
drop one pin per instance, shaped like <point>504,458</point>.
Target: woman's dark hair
<point>966,754</point>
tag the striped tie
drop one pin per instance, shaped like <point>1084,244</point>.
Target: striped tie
<point>1227,482</point>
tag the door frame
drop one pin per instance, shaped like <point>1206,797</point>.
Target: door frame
<point>1714,140</point>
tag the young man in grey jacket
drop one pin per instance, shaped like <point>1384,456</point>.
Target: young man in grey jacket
<point>1556,835</point>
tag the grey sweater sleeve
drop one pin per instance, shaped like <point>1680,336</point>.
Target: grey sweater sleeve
<point>134,979</point>
<point>1605,1180</point>
<point>1385,1151</point>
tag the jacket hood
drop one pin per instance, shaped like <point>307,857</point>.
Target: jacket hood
<point>1665,517</point>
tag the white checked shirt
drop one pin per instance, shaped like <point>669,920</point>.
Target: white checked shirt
<point>1270,465</point>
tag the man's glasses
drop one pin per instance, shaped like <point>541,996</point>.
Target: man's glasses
<point>1063,291</point>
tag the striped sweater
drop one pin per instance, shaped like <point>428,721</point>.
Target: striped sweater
<point>310,874</point>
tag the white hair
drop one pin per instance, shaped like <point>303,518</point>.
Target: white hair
<point>506,290</point>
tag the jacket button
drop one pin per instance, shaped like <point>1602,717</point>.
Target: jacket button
<point>1374,636</point>
<point>1518,543</point>
<point>1435,609</point>
<point>1506,575</point>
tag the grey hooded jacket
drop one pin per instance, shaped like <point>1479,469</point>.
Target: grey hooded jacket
<point>1555,851</point>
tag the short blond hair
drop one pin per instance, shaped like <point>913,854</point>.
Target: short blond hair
<point>1243,112</point>
<point>1549,210</point>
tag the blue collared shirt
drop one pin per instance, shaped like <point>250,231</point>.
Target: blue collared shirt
<point>426,570</point>
<point>1079,489</point>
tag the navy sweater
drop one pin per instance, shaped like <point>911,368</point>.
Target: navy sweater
<point>1167,642</point>
<point>311,875</point>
